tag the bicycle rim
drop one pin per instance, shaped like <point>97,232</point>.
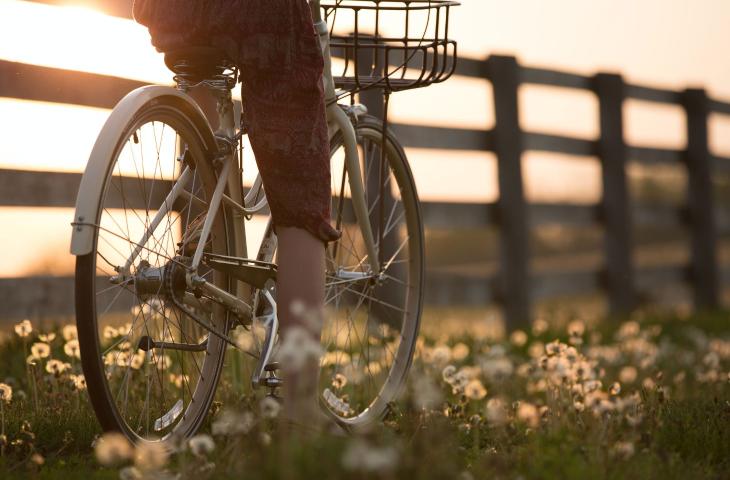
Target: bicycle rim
<point>141,380</point>
<point>371,318</point>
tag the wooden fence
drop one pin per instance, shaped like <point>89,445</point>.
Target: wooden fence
<point>514,287</point>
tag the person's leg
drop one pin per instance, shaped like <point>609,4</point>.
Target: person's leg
<point>300,289</point>
<point>284,106</point>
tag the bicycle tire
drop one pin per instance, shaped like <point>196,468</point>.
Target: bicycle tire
<point>171,420</point>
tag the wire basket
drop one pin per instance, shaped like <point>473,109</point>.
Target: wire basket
<point>390,44</point>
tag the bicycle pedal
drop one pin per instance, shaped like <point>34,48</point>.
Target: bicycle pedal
<point>271,382</point>
<point>272,367</point>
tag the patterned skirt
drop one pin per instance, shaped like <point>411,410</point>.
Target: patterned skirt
<point>278,52</point>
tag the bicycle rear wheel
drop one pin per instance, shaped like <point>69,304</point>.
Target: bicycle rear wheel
<point>151,368</point>
<point>371,317</point>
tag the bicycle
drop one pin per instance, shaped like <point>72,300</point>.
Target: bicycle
<point>163,275</point>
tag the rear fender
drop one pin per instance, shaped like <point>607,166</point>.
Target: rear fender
<point>106,146</point>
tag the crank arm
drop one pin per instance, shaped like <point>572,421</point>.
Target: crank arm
<point>271,325</point>
<point>146,344</point>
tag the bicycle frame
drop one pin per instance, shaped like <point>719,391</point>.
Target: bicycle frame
<point>228,188</point>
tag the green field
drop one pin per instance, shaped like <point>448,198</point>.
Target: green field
<point>646,398</point>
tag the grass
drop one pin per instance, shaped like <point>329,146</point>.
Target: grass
<point>669,420</point>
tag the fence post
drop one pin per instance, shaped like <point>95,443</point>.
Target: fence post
<point>504,73</point>
<point>703,272</point>
<point>615,212</point>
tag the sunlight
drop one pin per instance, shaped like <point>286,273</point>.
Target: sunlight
<point>78,38</point>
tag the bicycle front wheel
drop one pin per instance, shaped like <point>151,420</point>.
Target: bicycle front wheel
<point>371,318</point>
<point>151,368</point>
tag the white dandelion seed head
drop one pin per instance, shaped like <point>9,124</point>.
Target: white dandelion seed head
<point>40,350</point>
<point>269,407</point>
<point>496,411</point>
<point>201,445</point>
<point>361,456</point>
<point>112,449</point>
<point>24,328</point>
<point>475,390</point>
<point>518,338</point>
<point>298,348</point>
<point>232,423</point>
<point>47,337</point>
<point>150,456</point>
<point>69,332</point>
<point>71,349</point>
<point>6,393</point>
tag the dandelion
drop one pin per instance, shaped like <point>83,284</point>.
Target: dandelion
<point>460,352</point>
<point>47,337</point>
<point>576,328</point>
<point>150,456</point>
<point>269,407</point>
<point>298,348</point>
<point>201,445</point>
<point>518,338</point>
<point>233,423</point>
<point>528,413</point>
<point>110,332</point>
<point>615,389</point>
<point>130,473</point>
<point>40,350</point>
<point>38,459</point>
<point>579,406</point>
<point>69,332</point>
<point>426,394</point>
<point>71,349</point>
<point>628,374</point>
<point>364,457</point>
<point>539,326</point>
<point>475,390</point>
<point>535,349</point>
<point>648,383</point>
<point>56,367</point>
<point>339,381</point>
<point>441,354</point>
<point>6,393</point>
<point>112,449</point>
<point>448,373</point>
<point>624,450</point>
<point>496,413</point>
<point>78,381</point>
<point>24,328</point>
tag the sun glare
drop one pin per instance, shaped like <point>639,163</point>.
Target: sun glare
<point>78,38</point>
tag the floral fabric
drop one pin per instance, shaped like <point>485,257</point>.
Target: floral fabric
<point>277,50</point>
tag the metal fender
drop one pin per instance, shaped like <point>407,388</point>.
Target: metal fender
<point>105,148</point>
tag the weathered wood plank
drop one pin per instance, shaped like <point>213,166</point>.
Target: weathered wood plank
<point>656,95</point>
<point>559,144</point>
<point>19,188</point>
<point>419,136</point>
<point>565,284</point>
<point>45,296</point>
<point>459,215</point>
<point>615,211</point>
<point>705,275</point>
<point>718,106</point>
<point>659,216</point>
<point>45,84</point>
<point>575,215</point>
<point>514,288</point>
<point>554,78</point>
<point>655,156</point>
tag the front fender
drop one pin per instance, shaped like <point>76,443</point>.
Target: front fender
<point>105,148</point>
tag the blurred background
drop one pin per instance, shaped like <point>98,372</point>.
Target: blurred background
<point>668,45</point>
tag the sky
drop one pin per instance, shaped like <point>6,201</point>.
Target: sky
<point>668,43</point>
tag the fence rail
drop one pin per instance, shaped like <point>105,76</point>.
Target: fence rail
<point>513,284</point>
